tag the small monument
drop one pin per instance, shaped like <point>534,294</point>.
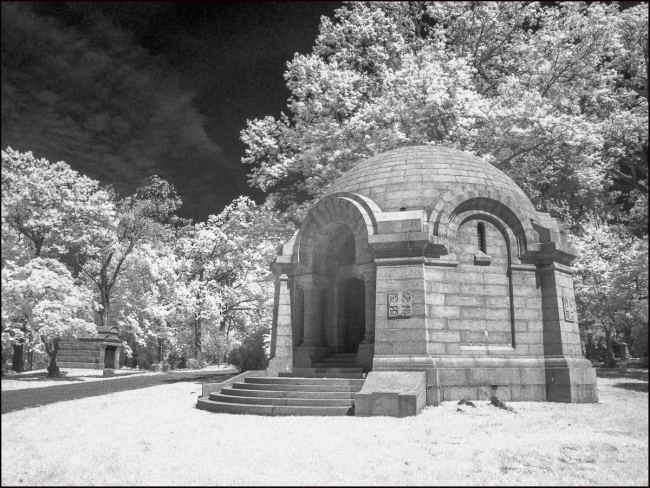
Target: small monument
<point>428,259</point>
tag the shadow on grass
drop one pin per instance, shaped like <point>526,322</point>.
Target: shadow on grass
<point>640,387</point>
<point>42,376</point>
<point>33,397</point>
<point>63,377</point>
<point>630,374</point>
<point>200,378</point>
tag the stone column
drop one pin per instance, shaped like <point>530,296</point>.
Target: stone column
<point>282,328</point>
<point>311,349</point>
<point>367,347</point>
<point>371,299</point>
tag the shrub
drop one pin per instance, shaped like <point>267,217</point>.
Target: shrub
<point>250,354</point>
<point>108,372</point>
<point>193,364</point>
<point>166,367</point>
<point>155,368</point>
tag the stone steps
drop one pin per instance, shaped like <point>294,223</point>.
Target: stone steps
<point>335,365</point>
<point>299,387</point>
<point>327,389</point>
<point>288,394</point>
<point>331,360</point>
<point>274,410</point>
<point>302,380</point>
<point>298,402</point>
<point>323,375</point>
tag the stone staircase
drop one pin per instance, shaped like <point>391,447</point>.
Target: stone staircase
<point>326,389</point>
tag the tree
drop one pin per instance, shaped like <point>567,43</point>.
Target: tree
<point>47,210</point>
<point>551,95</point>
<point>42,303</point>
<point>611,283</point>
<point>145,303</point>
<point>223,271</point>
<point>52,205</point>
<point>145,216</point>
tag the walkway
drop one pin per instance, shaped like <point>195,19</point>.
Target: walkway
<point>34,397</point>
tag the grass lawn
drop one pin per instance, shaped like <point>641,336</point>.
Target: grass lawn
<point>156,436</point>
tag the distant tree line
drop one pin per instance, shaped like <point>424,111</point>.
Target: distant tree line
<point>75,255</point>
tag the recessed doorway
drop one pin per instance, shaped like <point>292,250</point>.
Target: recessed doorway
<point>354,313</point>
<point>109,357</point>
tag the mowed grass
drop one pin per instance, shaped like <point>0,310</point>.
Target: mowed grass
<point>156,436</point>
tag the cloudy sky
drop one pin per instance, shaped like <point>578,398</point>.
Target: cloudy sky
<point>123,90</point>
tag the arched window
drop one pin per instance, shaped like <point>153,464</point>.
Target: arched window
<point>480,233</point>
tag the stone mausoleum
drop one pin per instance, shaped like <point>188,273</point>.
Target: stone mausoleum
<point>427,264</point>
<point>91,351</point>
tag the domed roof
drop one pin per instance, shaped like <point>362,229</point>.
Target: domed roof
<point>415,177</point>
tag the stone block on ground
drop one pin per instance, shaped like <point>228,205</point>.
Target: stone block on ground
<point>108,372</point>
<point>392,393</point>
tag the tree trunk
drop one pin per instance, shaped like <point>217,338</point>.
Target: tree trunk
<point>197,339</point>
<point>18,364</point>
<point>609,362</point>
<point>52,350</point>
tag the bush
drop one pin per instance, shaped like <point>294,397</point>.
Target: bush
<point>166,367</point>
<point>250,354</point>
<point>155,368</point>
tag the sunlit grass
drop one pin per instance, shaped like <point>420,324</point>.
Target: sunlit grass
<point>157,436</point>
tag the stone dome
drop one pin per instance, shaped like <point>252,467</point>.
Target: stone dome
<point>415,177</point>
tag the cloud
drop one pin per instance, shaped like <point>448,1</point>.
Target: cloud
<point>85,93</point>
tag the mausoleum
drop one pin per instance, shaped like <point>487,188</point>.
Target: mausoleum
<point>430,259</point>
<point>91,351</point>
<point>431,271</point>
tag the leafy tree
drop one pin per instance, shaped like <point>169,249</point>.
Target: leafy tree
<point>251,353</point>
<point>51,205</point>
<point>145,303</point>
<point>47,210</point>
<point>554,96</point>
<point>611,283</point>
<point>223,271</point>
<point>145,216</point>
<point>42,303</point>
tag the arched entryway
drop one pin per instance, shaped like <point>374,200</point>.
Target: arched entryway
<point>354,313</point>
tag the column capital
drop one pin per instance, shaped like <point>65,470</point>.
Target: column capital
<point>313,282</point>
<point>367,273</point>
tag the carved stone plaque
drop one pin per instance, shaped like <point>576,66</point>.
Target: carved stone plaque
<point>400,304</point>
<point>569,309</point>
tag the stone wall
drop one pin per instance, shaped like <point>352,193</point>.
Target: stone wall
<point>78,354</point>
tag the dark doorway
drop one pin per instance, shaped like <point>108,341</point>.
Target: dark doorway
<point>354,313</point>
<point>109,357</point>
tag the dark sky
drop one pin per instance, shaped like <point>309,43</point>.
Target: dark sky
<point>77,86</point>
